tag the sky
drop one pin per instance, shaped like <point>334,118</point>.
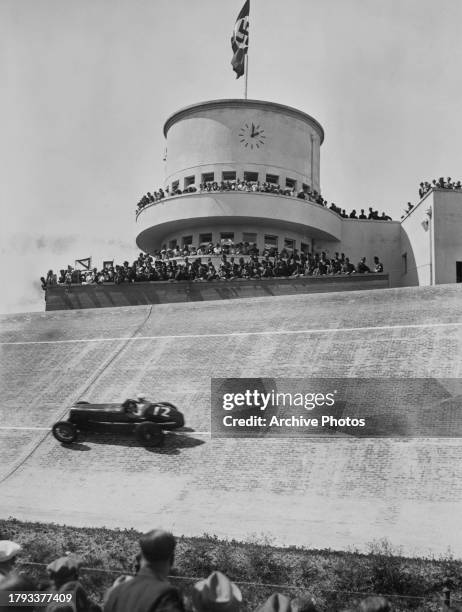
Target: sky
<point>88,85</point>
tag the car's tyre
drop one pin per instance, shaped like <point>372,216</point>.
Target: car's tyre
<point>77,403</point>
<point>150,434</point>
<point>65,432</point>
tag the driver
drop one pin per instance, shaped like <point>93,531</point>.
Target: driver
<point>141,405</point>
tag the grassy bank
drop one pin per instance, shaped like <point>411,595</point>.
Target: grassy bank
<point>335,579</point>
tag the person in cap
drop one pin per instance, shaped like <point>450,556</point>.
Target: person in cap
<point>64,577</point>
<point>149,590</point>
<point>216,594</point>
<point>9,551</point>
<point>276,603</point>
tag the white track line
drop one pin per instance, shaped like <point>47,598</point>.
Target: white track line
<point>328,330</point>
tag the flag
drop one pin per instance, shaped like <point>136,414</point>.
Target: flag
<point>240,40</point>
<point>85,263</point>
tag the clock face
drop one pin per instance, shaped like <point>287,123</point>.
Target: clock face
<point>252,135</point>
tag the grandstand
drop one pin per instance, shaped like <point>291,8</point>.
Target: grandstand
<point>337,493</point>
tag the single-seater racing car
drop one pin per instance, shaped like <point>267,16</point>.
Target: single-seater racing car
<point>147,420</point>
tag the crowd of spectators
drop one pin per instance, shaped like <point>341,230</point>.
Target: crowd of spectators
<point>256,186</point>
<point>148,588</point>
<point>189,267</point>
<point>441,183</point>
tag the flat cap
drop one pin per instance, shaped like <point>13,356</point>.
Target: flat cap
<point>8,550</point>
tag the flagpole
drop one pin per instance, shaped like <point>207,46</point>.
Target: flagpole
<point>247,60</point>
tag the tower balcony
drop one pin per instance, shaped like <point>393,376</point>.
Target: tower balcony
<point>174,216</point>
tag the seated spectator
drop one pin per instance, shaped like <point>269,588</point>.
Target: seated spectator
<point>378,266</point>
<point>362,267</point>
<point>353,214</point>
<point>216,594</point>
<point>362,214</point>
<point>150,590</point>
<point>9,552</point>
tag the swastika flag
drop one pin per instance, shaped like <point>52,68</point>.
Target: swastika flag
<point>240,40</point>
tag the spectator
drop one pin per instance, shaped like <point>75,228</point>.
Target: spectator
<point>362,267</point>
<point>215,594</point>
<point>378,266</point>
<point>9,551</point>
<point>276,603</point>
<point>149,590</point>
<point>304,604</point>
<point>17,583</point>
<point>64,577</point>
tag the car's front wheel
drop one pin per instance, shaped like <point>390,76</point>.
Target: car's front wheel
<point>65,432</point>
<point>150,434</point>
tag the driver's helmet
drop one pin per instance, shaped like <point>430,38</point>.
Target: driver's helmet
<point>140,397</point>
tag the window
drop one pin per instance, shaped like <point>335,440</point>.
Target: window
<point>458,271</point>
<point>305,187</point>
<point>175,186</point>
<point>252,177</point>
<point>189,180</point>
<point>187,240</point>
<point>227,236</point>
<point>228,175</point>
<point>291,183</point>
<point>249,237</point>
<point>208,177</point>
<point>271,241</point>
<point>305,247</point>
<point>404,262</point>
<point>289,244</point>
<point>205,238</point>
<point>272,178</point>
<point>172,243</point>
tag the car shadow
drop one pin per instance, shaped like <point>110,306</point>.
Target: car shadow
<point>174,443</point>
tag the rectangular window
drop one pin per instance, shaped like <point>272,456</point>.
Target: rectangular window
<point>175,185</point>
<point>458,271</point>
<point>227,236</point>
<point>252,177</point>
<point>187,240</point>
<point>208,177</point>
<point>291,183</point>
<point>249,237</point>
<point>108,264</point>
<point>305,247</point>
<point>289,244</point>
<point>228,175</point>
<point>272,178</point>
<point>172,243</point>
<point>305,187</point>
<point>205,238</point>
<point>404,262</point>
<point>189,180</point>
<point>271,241</point>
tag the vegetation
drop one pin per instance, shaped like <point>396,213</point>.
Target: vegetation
<point>336,579</point>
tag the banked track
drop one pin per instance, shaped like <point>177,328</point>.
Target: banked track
<point>322,493</point>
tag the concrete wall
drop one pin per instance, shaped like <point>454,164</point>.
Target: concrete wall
<point>215,136</point>
<point>107,295</point>
<point>447,234</point>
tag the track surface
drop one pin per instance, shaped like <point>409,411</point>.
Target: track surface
<point>322,493</point>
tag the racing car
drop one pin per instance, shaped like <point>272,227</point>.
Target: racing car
<point>148,423</point>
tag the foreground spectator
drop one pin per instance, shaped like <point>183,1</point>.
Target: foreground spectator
<point>64,577</point>
<point>216,594</point>
<point>304,604</point>
<point>150,589</point>
<point>9,552</point>
<point>276,603</point>
<point>15,583</point>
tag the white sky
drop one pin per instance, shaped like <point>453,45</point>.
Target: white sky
<point>89,84</point>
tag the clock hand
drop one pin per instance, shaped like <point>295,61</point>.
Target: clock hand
<point>253,131</point>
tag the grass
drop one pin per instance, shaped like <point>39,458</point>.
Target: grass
<point>337,580</point>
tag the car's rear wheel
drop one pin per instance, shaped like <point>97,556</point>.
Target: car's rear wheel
<point>150,434</point>
<point>65,432</point>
